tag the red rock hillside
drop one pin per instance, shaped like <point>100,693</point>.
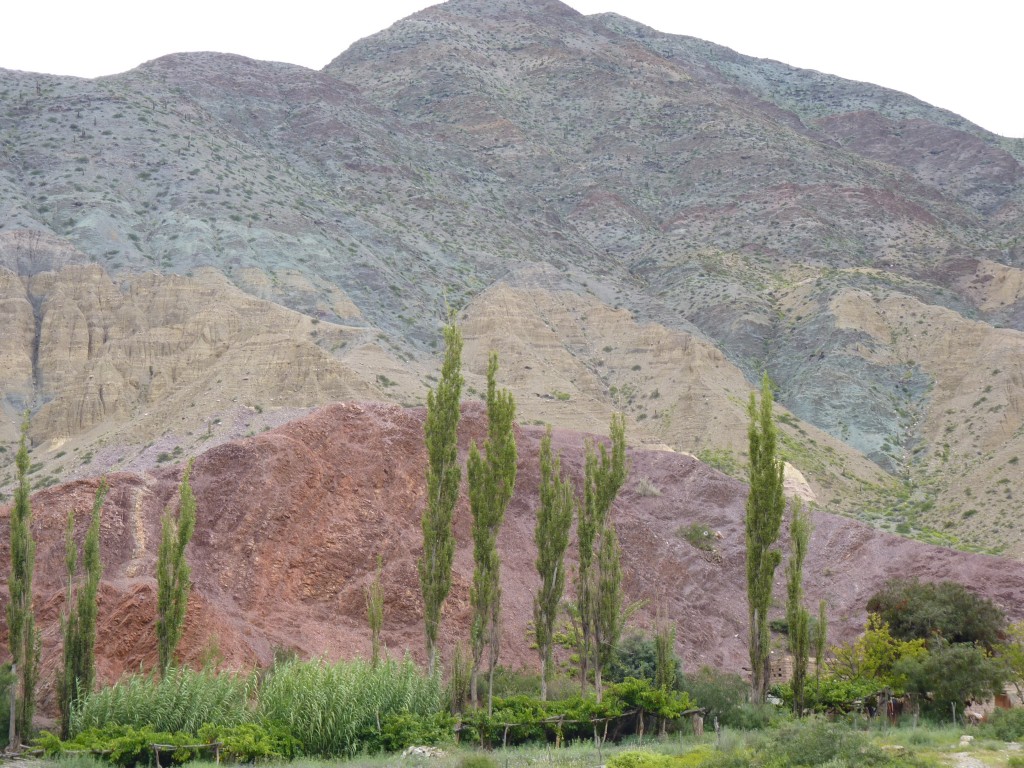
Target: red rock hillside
<point>290,523</point>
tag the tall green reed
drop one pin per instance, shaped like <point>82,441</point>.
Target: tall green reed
<point>184,700</point>
<point>334,709</point>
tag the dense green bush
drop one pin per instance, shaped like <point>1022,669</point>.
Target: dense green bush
<point>724,695</point>
<point>640,758</point>
<point>402,730</point>
<point>184,700</point>
<point>636,656</point>
<point>123,745</point>
<point>814,741</point>
<point>916,609</point>
<point>335,709</point>
<point>250,742</point>
<point>1005,724</point>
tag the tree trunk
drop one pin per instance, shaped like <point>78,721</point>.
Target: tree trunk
<point>544,676</point>
<point>12,729</point>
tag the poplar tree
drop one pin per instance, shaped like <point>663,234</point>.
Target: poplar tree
<point>551,534</point>
<point>491,478</point>
<point>797,617</point>
<point>78,622</point>
<point>22,635</point>
<point>598,582</point>
<point>820,642</point>
<point>375,611</point>
<point>765,505</point>
<point>443,477</point>
<point>173,574</point>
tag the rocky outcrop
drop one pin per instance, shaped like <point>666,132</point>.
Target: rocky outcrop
<point>290,524</point>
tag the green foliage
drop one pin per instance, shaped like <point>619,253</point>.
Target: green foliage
<point>833,694</point>
<point>915,609</point>
<point>765,505</point>
<point>874,656</point>
<point>183,700</point>
<point>477,761</point>
<point>1005,725</point>
<point>640,759</point>
<point>722,459</point>
<point>251,742</point>
<point>122,744</point>
<point>443,477</point>
<point>402,730</point>
<point>598,585</point>
<point>668,668</point>
<point>76,678</point>
<point>820,634</point>
<point>637,656</point>
<point>815,742</point>
<point>699,535</point>
<point>721,694</point>
<point>952,673</point>
<point>334,709</point>
<point>551,535</point>
<point>491,479</point>
<point>173,582</point>
<point>797,616</point>
<point>22,636</point>
<point>375,611</point>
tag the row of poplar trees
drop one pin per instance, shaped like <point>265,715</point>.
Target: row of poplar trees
<point>491,474</point>
<point>766,504</point>
<point>77,676</point>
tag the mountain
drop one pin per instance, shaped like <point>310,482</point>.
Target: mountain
<point>209,245</point>
<point>290,522</point>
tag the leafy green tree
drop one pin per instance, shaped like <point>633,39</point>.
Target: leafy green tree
<point>443,478</point>
<point>796,615</point>
<point>551,535</point>
<point>78,622</point>
<point>492,479</point>
<point>173,575</point>
<point>375,611</point>
<point>667,668</point>
<point>765,505</point>
<point>874,656</point>
<point>952,673</point>
<point>916,609</point>
<point>1012,654</point>
<point>598,577</point>
<point>22,635</point>
<point>820,641</point>
<point>609,617</point>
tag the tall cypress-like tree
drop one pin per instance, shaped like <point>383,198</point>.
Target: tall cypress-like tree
<point>173,582</point>
<point>22,635</point>
<point>443,478</point>
<point>79,620</point>
<point>797,617</point>
<point>598,579</point>
<point>551,535</point>
<point>765,505</point>
<point>491,479</point>
<point>820,641</point>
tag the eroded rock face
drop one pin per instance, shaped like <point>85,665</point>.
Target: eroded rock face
<point>290,523</point>
<point>94,351</point>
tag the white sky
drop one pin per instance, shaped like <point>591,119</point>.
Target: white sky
<point>964,57</point>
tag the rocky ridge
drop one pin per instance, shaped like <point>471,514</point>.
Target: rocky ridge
<point>678,199</point>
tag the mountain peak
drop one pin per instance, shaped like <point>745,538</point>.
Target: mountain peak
<point>505,8</point>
